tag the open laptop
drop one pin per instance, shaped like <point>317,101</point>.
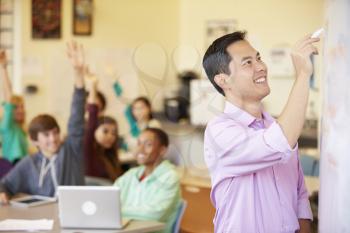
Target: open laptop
<point>90,207</point>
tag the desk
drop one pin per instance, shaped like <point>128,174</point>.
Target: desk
<point>50,211</point>
<point>312,184</point>
<point>194,177</point>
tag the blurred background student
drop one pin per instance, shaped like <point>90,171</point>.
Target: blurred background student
<point>139,117</point>
<point>101,132</point>
<point>14,137</point>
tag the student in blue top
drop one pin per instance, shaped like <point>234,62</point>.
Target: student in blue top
<point>14,138</point>
<point>139,117</point>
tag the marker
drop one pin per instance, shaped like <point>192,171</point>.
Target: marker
<point>317,33</point>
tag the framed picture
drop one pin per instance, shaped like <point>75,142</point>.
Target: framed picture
<point>218,28</point>
<point>46,19</point>
<point>82,17</point>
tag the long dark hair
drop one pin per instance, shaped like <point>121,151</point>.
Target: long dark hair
<point>111,154</point>
<point>146,101</point>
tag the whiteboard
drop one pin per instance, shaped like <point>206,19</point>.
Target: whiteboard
<point>205,102</point>
<point>334,206</point>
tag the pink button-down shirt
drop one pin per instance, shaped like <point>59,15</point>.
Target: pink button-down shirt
<point>258,183</point>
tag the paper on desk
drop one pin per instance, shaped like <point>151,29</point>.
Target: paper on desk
<point>25,224</point>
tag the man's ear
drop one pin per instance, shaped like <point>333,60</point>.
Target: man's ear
<point>221,80</point>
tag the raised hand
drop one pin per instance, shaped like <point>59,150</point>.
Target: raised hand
<point>3,58</point>
<point>90,82</point>
<point>76,55</point>
<point>4,198</point>
<point>301,56</point>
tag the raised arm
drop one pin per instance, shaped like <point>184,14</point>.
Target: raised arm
<point>75,54</point>
<point>293,115</point>
<point>92,110</point>
<point>7,88</point>
<point>242,149</point>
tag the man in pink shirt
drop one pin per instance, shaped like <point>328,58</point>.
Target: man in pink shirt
<point>257,182</point>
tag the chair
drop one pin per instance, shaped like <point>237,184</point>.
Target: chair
<point>179,215</point>
<point>310,165</point>
<point>5,167</point>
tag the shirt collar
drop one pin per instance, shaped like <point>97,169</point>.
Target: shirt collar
<point>242,116</point>
<point>162,168</point>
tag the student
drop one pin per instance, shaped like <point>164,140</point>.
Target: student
<point>101,139</point>
<point>101,103</point>
<point>151,191</point>
<point>57,162</point>
<point>14,138</point>
<point>257,181</point>
<point>101,136</point>
<point>139,116</point>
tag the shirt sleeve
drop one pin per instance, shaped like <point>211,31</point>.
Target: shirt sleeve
<point>91,126</point>
<point>15,181</point>
<point>7,120</point>
<point>76,121</point>
<point>304,209</point>
<point>240,150</point>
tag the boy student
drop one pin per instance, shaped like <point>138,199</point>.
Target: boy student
<point>57,162</point>
<point>258,184</point>
<point>14,138</point>
<point>151,191</point>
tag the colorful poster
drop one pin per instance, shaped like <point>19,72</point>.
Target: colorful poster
<point>46,19</point>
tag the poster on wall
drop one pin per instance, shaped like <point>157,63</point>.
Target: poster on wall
<point>46,19</point>
<point>82,17</point>
<point>217,28</point>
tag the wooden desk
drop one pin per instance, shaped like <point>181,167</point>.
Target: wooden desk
<point>50,211</point>
<point>194,177</point>
<point>312,184</point>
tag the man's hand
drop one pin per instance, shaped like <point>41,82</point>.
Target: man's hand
<point>4,199</point>
<point>301,56</point>
<point>305,226</point>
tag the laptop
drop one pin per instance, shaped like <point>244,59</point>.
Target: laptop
<point>90,207</point>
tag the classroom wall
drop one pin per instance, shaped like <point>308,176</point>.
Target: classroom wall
<point>270,23</point>
<point>117,25</point>
<point>166,37</point>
